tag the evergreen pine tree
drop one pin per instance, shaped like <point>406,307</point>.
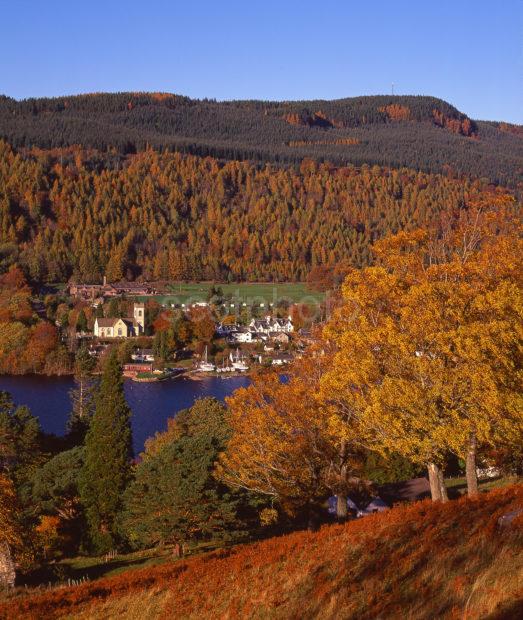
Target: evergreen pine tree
<point>108,451</point>
<point>161,345</point>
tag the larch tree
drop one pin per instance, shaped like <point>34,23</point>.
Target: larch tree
<point>190,217</point>
<point>107,460</point>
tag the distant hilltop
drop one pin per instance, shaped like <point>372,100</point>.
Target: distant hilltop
<point>419,132</point>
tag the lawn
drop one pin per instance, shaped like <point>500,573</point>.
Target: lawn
<point>82,567</point>
<point>96,567</point>
<point>248,293</point>
<point>458,486</point>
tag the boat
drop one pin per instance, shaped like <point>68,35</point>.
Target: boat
<point>238,362</point>
<point>224,368</point>
<point>206,366</point>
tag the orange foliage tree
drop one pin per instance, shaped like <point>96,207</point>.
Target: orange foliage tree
<point>284,443</point>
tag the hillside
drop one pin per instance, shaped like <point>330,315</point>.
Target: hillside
<point>81,214</point>
<point>423,133</point>
<point>419,561</point>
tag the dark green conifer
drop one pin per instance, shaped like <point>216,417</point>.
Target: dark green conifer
<point>81,322</point>
<point>108,452</point>
<point>175,496</point>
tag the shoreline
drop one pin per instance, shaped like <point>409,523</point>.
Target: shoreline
<point>196,375</point>
<point>190,373</point>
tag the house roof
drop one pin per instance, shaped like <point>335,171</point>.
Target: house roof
<point>112,322</point>
<point>106,322</point>
<point>268,320</point>
<point>129,285</point>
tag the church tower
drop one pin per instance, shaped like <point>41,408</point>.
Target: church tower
<point>139,317</point>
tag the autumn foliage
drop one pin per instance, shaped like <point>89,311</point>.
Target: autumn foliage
<point>167,216</point>
<point>420,561</point>
<point>268,131</point>
<point>27,344</point>
<point>463,126</point>
<point>429,342</point>
<point>396,112</point>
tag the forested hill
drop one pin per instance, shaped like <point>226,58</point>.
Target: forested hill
<point>81,214</point>
<point>422,133</point>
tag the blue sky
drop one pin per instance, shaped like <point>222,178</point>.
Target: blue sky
<point>468,52</point>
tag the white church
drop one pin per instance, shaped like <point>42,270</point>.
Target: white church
<point>128,327</point>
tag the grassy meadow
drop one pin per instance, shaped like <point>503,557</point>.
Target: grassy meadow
<point>242,293</point>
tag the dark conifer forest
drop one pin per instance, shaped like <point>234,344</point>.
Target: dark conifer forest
<point>423,133</point>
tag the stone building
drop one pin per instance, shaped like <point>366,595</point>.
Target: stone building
<point>128,327</point>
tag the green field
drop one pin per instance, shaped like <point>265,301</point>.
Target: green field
<point>256,293</point>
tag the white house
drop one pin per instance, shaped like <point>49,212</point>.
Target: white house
<point>281,359</point>
<point>242,334</point>
<point>143,355</point>
<point>281,337</point>
<point>271,324</point>
<point>226,329</point>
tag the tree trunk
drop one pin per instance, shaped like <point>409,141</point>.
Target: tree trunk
<point>442,488</point>
<point>341,499</point>
<point>435,489</point>
<point>81,399</point>
<point>341,507</point>
<point>7,567</point>
<point>438,490</point>
<point>313,521</point>
<point>470,467</point>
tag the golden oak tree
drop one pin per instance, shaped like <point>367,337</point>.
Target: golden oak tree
<point>429,343</point>
<point>376,377</point>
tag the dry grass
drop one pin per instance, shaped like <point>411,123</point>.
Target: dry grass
<point>414,562</point>
<point>135,606</point>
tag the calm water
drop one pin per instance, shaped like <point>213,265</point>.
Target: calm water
<point>151,403</point>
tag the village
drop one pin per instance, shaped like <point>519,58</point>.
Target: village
<point>211,336</point>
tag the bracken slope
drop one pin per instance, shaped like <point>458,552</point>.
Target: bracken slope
<point>417,561</point>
